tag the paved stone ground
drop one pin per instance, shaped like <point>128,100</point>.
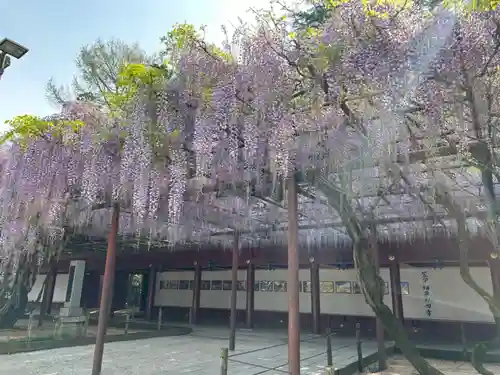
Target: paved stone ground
<point>400,366</point>
<point>197,353</point>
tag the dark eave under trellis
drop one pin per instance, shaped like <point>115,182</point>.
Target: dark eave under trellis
<point>438,251</point>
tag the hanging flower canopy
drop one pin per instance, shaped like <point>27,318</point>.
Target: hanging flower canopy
<point>365,104</point>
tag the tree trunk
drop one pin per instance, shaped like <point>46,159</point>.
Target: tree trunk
<point>14,306</point>
<point>14,297</point>
<point>372,285</point>
<point>481,349</point>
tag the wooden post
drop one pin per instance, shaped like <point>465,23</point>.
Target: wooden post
<point>224,357</point>
<point>396,294</point>
<point>234,294</point>
<point>293,280</point>
<point>55,331</point>
<point>127,323</point>
<point>151,292</point>
<point>30,327</point>
<point>464,342</point>
<point>160,317</point>
<point>250,294</point>
<point>329,359</point>
<point>315,297</point>
<point>86,324</point>
<point>60,328</point>
<point>195,304</point>
<point>359,348</point>
<point>107,292</point>
<point>332,371</point>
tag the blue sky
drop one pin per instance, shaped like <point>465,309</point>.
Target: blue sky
<point>55,30</point>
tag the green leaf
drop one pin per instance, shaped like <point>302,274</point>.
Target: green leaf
<point>25,128</point>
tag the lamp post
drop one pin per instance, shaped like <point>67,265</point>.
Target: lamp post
<point>9,48</point>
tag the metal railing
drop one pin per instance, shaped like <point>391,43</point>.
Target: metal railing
<point>129,317</point>
<point>329,368</point>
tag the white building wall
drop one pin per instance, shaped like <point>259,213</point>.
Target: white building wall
<point>346,298</point>
<point>168,292</point>
<point>271,296</point>
<point>449,297</point>
<point>59,290</point>
<point>221,299</point>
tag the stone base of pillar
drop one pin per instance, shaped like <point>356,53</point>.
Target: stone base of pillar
<point>71,312</point>
<point>72,326</point>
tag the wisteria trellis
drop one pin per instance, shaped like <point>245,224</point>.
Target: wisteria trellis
<point>242,128</point>
<point>369,106</point>
<point>199,160</point>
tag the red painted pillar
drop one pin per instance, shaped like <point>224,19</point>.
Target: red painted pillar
<point>151,292</point>
<point>195,304</point>
<point>234,294</point>
<point>107,292</point>
<point>250,294</point>
<point>293,281</point>
<point>315,297</point>
<point>396,294</point>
